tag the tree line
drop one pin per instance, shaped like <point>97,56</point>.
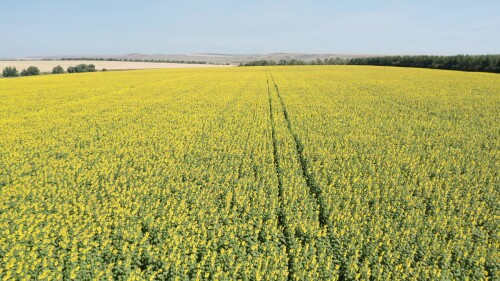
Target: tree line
<point>327,61</point>
<point>483,63</point>
<point>11,71</point>
<point>143,60</point>
<point>82,68</point>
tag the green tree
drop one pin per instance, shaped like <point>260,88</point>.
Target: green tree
<point>57,70</point>
<point>10,71</point>
<point>90,68</point>
<point>32,70</point>
<point>82,68</point>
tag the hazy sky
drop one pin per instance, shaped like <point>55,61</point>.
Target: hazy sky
<point>31,28</point>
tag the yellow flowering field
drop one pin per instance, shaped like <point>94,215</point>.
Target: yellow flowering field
<point>257,173</point>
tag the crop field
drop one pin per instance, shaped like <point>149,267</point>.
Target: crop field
<point>256,173</point>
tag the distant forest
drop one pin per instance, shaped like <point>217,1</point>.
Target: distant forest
<point>329,61</point>
<point>138,60</point>
<point>484,63</point>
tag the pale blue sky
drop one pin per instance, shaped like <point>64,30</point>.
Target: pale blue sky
<point>38,28</point>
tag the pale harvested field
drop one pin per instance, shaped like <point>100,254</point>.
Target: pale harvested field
<point>46,66</point>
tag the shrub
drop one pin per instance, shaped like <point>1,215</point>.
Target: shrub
<point>82,68</point>
<point>57,70</point>
<point>32,70</point>
<point>90,68</point>
<point>10,71</point>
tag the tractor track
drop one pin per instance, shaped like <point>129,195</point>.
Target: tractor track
<point>282,219</point>
<point>314,188</point>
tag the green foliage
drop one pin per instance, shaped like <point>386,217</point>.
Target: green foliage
<point>82,68</point>
<point>10,71</point>
<point>485,63</point>
<point>57,70</point>
<point>32,70</point>
<point>326,61</point>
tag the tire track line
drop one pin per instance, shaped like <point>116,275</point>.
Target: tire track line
<point>282,220</point>
<point>314,188</point>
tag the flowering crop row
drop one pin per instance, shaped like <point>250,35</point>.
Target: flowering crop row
<point>280,173</point>
<point>407,166</point>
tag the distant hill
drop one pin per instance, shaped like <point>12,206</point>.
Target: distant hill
<point>211,58</point>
